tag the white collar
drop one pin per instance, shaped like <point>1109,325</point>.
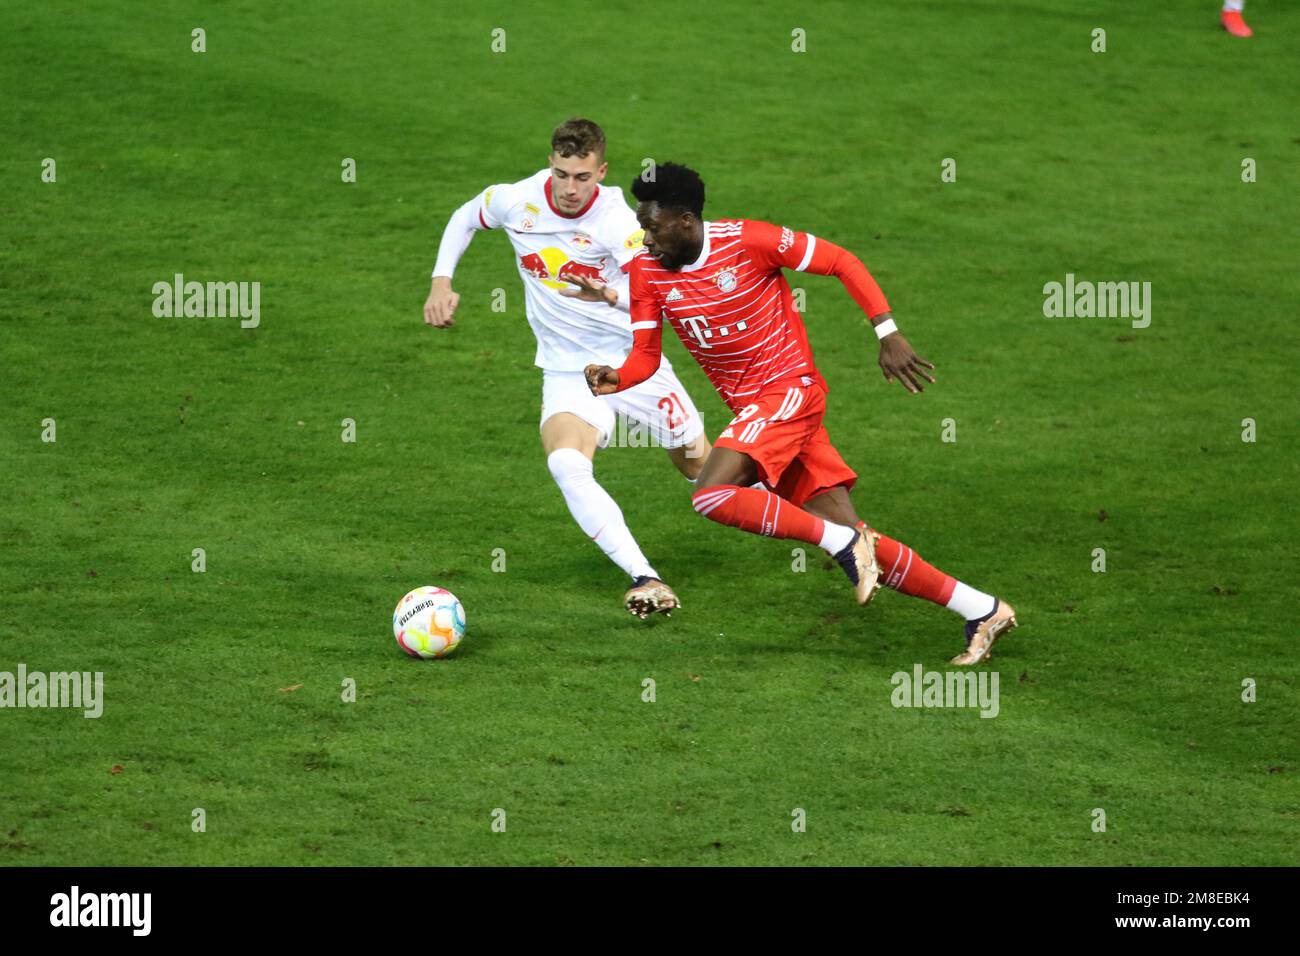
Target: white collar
<point>704,252</point>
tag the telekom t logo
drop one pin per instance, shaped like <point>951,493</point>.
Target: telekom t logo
<point>696,323</point>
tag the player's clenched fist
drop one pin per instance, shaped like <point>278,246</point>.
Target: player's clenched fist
<point>441,304</point>
<point>601,379</point>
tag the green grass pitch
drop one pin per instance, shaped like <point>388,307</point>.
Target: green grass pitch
<point>1122,691</point>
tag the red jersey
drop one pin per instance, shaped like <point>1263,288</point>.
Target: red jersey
<point>733,309</point>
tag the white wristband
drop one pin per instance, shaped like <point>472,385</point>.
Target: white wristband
<point>885,327</point>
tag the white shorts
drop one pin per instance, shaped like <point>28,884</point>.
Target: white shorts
<point>658,412</point>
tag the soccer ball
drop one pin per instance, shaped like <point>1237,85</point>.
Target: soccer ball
<point>429,622</point>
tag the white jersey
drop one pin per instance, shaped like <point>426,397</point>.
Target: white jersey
<point>597,241</point>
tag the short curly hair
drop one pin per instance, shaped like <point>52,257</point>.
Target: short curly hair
<point>672,185</point>
<point>578,137</point>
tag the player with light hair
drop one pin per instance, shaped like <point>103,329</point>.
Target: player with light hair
<point>564,224</point>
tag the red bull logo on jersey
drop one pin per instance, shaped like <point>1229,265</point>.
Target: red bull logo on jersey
<point>553,266</point>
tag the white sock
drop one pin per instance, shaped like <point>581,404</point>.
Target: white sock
<point>596,512</point>
<point>969,603</point>
<point>835,537</point>
<point>1233,6</point>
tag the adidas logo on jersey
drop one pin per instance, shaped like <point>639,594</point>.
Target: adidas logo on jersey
<point>673,295</point>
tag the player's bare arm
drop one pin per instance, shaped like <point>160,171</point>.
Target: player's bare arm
<point>441,304</point>
<point>898,360</point>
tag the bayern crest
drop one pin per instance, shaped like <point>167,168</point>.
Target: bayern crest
<point>726,280</point>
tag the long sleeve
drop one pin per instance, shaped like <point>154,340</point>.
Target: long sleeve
<point>783,248</point>
<point>647,334</point>
<point>829,259</point>
<point>623,287</point>
<point>462,225</point>
<point>621,234</point>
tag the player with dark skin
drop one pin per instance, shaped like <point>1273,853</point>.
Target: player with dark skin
<point>799,460</point>
<point>675,238</point>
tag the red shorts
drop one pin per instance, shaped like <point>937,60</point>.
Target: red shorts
<point>781,430</point>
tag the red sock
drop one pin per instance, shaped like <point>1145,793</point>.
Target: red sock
<point>907,572</point>
<point>757,511</point>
